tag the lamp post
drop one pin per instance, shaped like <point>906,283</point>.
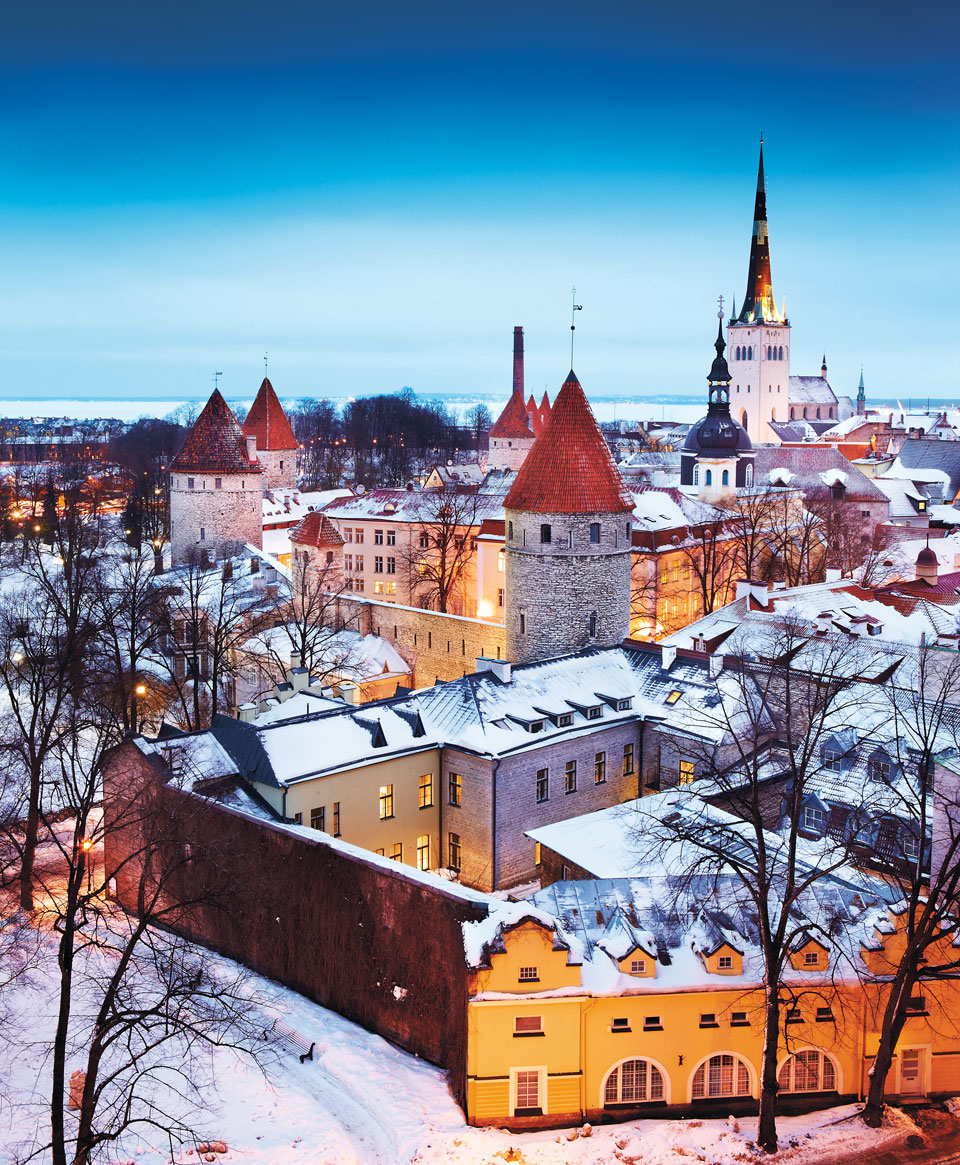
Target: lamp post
<point>86,848</point>
<point>139,690</point>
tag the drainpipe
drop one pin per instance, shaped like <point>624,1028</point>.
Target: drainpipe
<point>640,759</point>
<point>583,1055</point>
<point>493,810</point>
<point>283,804</point>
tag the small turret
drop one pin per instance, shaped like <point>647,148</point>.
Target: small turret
<point>861,396</point>
<point>927,567</point>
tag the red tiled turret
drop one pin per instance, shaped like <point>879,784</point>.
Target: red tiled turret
<point>316,529</point>
<point>268,422</point>
<point>513,421</point>
<point>569,470</point>
<point>216,443</point>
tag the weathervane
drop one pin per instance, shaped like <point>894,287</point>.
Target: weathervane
<point>265,363</point>
<point>573,315</point>
<point>216,380</point>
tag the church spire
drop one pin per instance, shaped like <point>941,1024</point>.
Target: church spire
<point>861,396</point>
<point>758,305</point>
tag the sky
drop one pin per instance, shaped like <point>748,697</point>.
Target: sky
<point>376,193</point>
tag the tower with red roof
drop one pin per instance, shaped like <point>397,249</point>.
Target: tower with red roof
<point>512,434</point>
<point>276,443</point>
<point>216,487</point>
<point>568,539</point>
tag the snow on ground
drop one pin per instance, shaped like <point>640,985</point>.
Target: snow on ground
<point>361,1101</point>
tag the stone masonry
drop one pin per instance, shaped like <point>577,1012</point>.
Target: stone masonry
<point>211,512</point>
<point>569,592</point>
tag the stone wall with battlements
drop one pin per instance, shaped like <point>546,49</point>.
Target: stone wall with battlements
<point>554,587</point>
<point>205,517</point>
<point>436,646</point>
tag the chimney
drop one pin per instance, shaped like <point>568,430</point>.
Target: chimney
<point>227,571</point>
<point>252,448</point>
<point>518,360</point>
<point>254,565</point>
<point>497,667</point>
<point>755,587</point>
<point>247,713</point>
<point>668,656</point>
<point>294,660</point>
<point>716,664</point>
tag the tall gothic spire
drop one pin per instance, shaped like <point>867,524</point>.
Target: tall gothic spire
<point>758,305</point>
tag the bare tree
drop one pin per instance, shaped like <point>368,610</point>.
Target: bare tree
<point>763,702</point>
<point>135,1002</point>
<point>713,556</point>
<point>925,796</point>
<point>442,546</point>
<point>209,611</point>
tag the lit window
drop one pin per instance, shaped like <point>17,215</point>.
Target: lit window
<point>455,787</point>
<point>317,817</point>
<point>359,533</point>
<point>391,588</point>
<point>423,852</point>
<point>378,587</point>
<point>627,760</point>
<point>386,802</point>
<point>425,791</point>
<point>673,697</point>
<point>570,777</point>
<point>687,772</point>
<point>499,596</point>
<point>396,851</point>
<point>501,556</point>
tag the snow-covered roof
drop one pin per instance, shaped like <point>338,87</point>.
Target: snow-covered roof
<point>811,390</point>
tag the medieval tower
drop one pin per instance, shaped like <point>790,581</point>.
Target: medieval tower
<point>759,340</point>
<point>216,487</point>
<point>512,434</point>
<point>568,539</point>
<point>276,444</point>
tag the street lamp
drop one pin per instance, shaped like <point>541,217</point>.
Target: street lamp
<point>86,845</point>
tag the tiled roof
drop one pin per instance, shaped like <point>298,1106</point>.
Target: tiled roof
<point>570,469</point>
<point>216,442</point>
<point>513,421</point>
<point>268,422</point>
<point>812,390</point>
<point>316,529</point>
<point>807,465</point>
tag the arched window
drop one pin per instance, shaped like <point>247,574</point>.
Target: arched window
<point>780,357</point>
<point>743,420</point>
<point>808,1071</point>
<point>818,412</point>
<point>738,351</point>
<point>749,351</point>
<point>769,356</point>
<point>748,476</point>
<point>721,1075</point>
<point>634,1082</point>
<point>709,477</point>
<point>725,479</point>
<point>696,475</point>
<point>793,413</point>
<point>773,414</point>
<point>804,412</point>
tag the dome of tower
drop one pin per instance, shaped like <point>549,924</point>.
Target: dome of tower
<point>926,557</point>
<point>717,433</point>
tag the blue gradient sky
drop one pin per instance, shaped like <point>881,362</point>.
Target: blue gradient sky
<point>377,195</point>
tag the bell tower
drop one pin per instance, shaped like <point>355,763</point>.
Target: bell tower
<point>759,339</point>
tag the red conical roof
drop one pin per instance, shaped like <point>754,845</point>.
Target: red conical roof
<point>216,443</point>
<point>513,421</point>
<point>268,422</point>
<point>316,529</point>
<point>569,470</point>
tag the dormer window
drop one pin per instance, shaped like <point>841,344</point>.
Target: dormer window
<point>811,958</point>
<point>833,760</point>
<point>638,966</point>
<point>878,768</point>
<point>624,705</point>
<point>725,963</point>
<point>565,720</point>
<point>594,713</point>
<point>814,819</point>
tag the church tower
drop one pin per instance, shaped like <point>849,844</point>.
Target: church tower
<point>759,340</point>
<point>717,456</point>
<point>276,444</point>
<point>568,539</point>
<point>861,397</point>
<point>216,487</point>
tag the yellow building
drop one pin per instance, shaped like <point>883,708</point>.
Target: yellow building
<point>599,1000</point>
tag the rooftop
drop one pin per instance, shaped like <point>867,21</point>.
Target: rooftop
<point>268,422</point>
<point>216,443</point>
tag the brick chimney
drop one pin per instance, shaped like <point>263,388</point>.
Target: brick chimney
<point>251,448</point>
<point>518,361</point>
